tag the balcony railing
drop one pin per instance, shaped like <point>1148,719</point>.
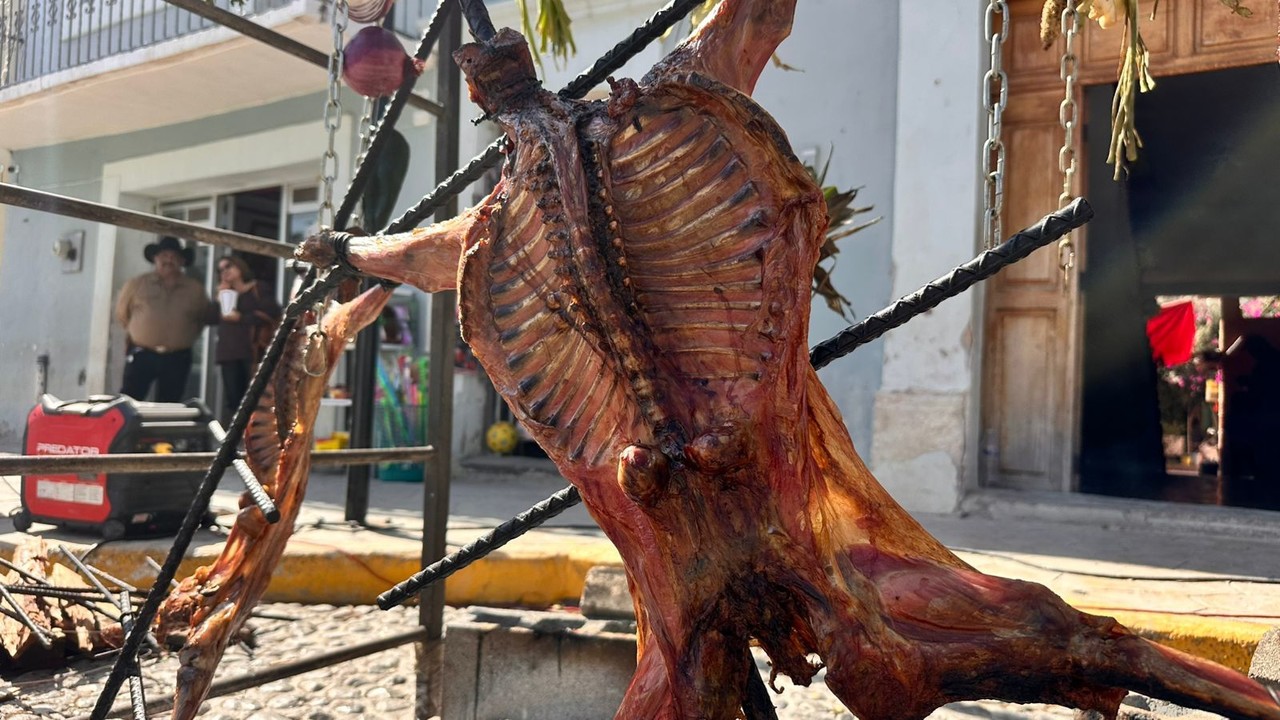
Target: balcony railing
<point>42,37</point>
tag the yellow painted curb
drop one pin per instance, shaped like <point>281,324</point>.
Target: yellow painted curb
<point>1225,641</point>
<point>323,571</point>
<point>341,570</point>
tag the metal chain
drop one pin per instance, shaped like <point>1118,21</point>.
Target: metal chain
<point>332,113</point>
<point>365,130</point>
<point>1069,118</point>
<point>995,96</point>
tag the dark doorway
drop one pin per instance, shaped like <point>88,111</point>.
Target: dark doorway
<point>1194,217</point>
<point>257,212</point>
<point>253,212</point>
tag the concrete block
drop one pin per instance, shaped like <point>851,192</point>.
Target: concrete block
<point>1265,667</point>
<point>503,664</point>
<point>605,594</point>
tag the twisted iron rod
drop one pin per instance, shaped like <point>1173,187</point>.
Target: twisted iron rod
<point>499,536</point>
<point>652,29</point>
<point>1050,228</point>
<point>137,697</point>
<point>70,593</point>
<point>478,20</point>
<point>445,191</point>
<point>251,484</point>
<point>757,704</point>
<point>41,636</point>
<point>93,579</point>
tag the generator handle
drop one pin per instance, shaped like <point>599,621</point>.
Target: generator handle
<point>256,491</point>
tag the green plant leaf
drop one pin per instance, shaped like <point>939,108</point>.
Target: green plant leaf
<point>842,211</point>
<point>383,191</point>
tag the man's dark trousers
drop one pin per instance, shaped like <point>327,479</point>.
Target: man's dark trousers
<point>168,370</point>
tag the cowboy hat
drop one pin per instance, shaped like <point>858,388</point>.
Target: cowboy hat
<point>169,243</point>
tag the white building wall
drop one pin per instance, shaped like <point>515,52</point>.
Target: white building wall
<point>69,316</point>
<point>924,432</point>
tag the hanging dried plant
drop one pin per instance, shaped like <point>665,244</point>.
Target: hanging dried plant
<point>552,29</point>
<point>1051,22</point>
<point>1135,77</point>
<point>1135,73</point>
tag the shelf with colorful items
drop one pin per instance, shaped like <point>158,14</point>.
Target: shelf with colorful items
<point>399,330</point>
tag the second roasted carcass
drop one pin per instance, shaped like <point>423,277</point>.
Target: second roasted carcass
<point>637,288</point>
<point>210,606</point>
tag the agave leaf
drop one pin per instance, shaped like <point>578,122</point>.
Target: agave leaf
<point>389,170</point>
<point>842,210</point>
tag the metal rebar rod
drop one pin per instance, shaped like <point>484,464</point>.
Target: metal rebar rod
<point>494,539</point>
<point>73,596</point>
<point>653,28</point>
<point>284,43</point>
<point>62,592</point>
<point>133,640</point>
<point>478,20</point>
<point>1051,227</point>
<point>382,134</point>
<point>608,63</point>
<point>156,566</point>
<point>236,683</point>
<point>188,462</point>
<point>20,572</point>
<point>93,579</point>
<point>256,492</point>
<point>145,222</point>
<point>25,619</point>
<point>137,698</point>
<point>113,579</point>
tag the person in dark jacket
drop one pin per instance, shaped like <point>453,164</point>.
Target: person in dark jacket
<point>254,312</point>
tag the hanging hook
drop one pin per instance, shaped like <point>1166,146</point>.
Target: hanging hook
<point>315,354</point>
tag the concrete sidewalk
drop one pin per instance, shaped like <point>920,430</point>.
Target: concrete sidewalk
<point>1195,578</point>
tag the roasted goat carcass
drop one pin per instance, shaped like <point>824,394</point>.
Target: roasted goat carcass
<point>211,605</point>
<point>637,288</point>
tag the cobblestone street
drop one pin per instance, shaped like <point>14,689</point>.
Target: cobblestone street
<point>377,687</point>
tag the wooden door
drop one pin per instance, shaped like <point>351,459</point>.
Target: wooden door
<point>1031,358</point>
<point>1030,318</point>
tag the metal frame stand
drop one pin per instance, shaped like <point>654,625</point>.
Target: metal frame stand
<point>445,27</point>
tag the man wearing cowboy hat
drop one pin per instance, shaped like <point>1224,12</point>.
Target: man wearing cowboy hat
<point>163,312</point>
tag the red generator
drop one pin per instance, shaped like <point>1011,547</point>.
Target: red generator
<point>112,504</point>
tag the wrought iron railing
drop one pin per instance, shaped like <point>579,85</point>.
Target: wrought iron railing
<point>42,37</point>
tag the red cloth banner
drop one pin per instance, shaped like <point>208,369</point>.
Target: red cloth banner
<point>1172,333</point>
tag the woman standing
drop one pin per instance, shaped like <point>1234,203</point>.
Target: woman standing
<point>253,311</point>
